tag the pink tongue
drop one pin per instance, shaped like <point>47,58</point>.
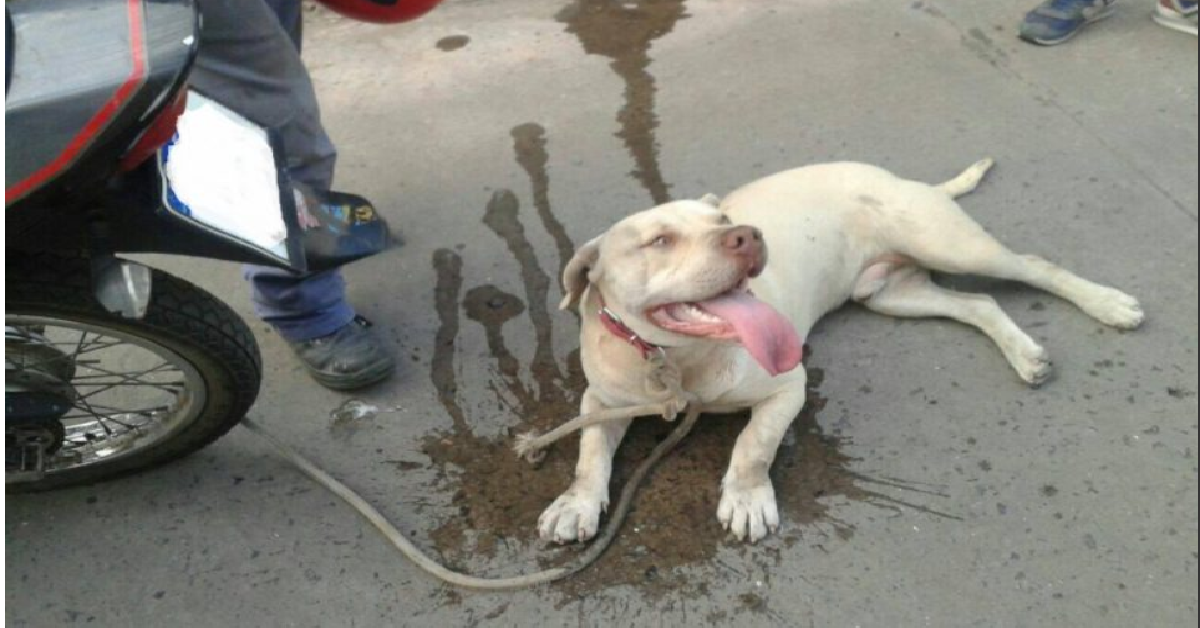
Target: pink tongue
<point>769,337</point>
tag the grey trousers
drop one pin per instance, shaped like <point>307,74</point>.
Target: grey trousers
<point>250,62</point>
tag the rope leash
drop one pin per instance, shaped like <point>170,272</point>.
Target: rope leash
<point>529,447</point>
<point>532,448</point>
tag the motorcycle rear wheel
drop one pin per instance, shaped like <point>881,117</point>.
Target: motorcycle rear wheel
<point>142,392</point>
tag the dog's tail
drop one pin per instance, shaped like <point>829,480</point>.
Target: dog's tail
<point>966,182</point>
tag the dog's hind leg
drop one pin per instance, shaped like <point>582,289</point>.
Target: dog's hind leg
<point>937,234</point>
<point>909,292</point>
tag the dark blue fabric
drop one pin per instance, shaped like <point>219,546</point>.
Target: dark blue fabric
<point>249,61</point>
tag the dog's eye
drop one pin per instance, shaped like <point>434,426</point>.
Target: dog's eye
<point>662,241</point>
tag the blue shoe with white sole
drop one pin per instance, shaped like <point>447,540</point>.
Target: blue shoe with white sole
<point>1056,21</point>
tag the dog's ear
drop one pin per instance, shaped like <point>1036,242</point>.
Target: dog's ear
<point>711,199</point>
<point>581,270</point>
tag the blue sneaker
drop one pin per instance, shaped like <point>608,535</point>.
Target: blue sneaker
<point>1056,21</point>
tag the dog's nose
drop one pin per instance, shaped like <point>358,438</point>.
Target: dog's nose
<point>742,240</point>
<point>746,244</point>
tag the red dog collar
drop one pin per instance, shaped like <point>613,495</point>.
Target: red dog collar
<point>618,328</point>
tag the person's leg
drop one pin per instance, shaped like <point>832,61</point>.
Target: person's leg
<point>1055,21</point>
<point>299,308</point>
<point>249,61</point>
<point>251,64</point>
<point>288,12</point>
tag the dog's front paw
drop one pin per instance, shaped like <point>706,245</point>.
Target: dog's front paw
<point>1032,362</point>
<point>574,516</point>
<point>748,513</point>
<point>1116,309</point>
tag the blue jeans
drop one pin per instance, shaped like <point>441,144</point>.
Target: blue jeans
<point>250,62</point>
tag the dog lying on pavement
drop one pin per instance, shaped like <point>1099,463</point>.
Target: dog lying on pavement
<point>689,281</point>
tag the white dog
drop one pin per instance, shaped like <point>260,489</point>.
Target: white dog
<point>689,280</point>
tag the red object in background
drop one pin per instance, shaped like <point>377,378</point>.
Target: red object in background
<point>382,11</point>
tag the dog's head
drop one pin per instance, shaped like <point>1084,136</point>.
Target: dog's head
<point>679,274</point>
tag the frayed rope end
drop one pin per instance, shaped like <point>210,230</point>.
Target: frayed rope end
<point>528,448</point>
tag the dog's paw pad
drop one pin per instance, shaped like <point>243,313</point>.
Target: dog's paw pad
<point>1033,364</point>
<point>572,517</point>
<point>749,514</point>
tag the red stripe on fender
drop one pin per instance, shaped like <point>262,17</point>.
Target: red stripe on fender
<point>102,117</point>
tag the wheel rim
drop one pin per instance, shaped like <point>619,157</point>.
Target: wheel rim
<point>130,393</point>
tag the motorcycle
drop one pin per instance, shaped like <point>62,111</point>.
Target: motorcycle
<point>112,367</point>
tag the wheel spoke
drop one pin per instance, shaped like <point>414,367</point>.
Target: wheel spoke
<point>106,410</point>
<point>81,347</point>
<point>107,387</point>
<point>102,372</point>
<point>82,338</point>
<point>95,345</point>
<point>165,386</point>
<point>104,419</point>
<point>99,419</point>
<point>126,379</point>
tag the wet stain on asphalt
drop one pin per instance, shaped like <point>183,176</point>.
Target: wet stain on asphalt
<point>453,42</point>
<point>502,217</point>
<point>674,520</point>
<point>530,145</point>
<point>497,495</point>
<point>624,32</point>
<point>492,307</point>
<point>448,266</point>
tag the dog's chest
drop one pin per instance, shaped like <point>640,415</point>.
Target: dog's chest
<point>720,375</point>
<point>717,379</point>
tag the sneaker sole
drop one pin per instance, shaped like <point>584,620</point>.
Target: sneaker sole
<point>1108,12</point>
<point>1176,23</point>
<point>367,377</point>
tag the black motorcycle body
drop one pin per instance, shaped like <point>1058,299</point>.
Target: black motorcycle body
<point>112,367</point>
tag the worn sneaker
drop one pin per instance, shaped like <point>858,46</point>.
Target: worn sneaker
<point>348,359</point>
<point>1056,21</point>
<point>1177,15</point>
